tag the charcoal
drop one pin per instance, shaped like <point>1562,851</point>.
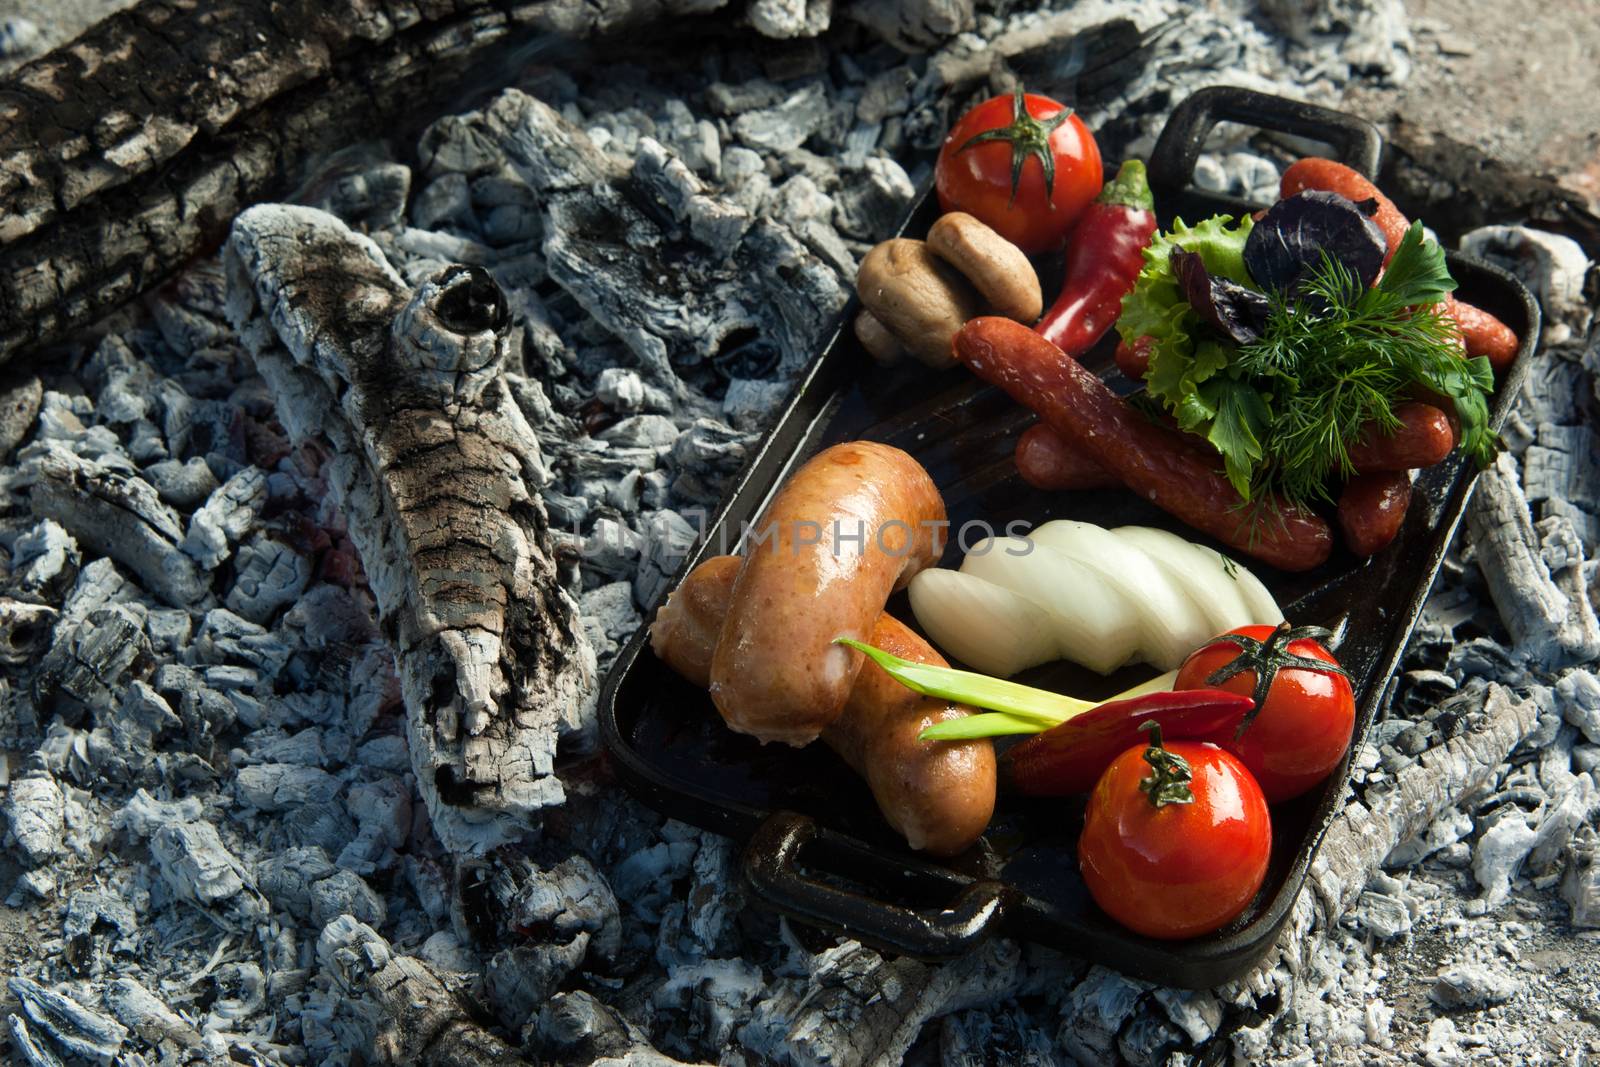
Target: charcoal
<point>1442,832</point>
<point>196,864</point>
<point>278,786</point>
<point>423,1022</point>
<point>641,431</point>
<point>269,575</point>
<point>344,893</point>
<point>447,200</point>
<point>184,485</point>
<point>977,1038</point>
<point>25,631</point>
<point>33,1051</point>
<point>20,396</point>
<point>35,817</point>
<point>91,663</point>
<point>327,828</point>
<point>856,1007</point>
<point>386,753</point>
<point>668,539</point>
<point>147,1016</point>
<point>869,209</point>
<point>1579,694</point>
<point>1553,622</point>
<point>1094,1012</point>
<point>227,515</point>
<point>78,1030</point>
<point>1472,986</point>
<point>1580,888</point>
<point>716,995</point>
<point>1552,265</point>
<point>44,559</point>
<point>1383,916</point>
<point>286,878</point>
<point>914,25</point>
<point>1574,807</point>
<point>116,515</point>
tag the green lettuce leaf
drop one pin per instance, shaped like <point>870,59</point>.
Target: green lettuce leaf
<point>1183,371</point>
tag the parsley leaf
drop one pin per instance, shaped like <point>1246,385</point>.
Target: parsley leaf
<point>1416,274</point>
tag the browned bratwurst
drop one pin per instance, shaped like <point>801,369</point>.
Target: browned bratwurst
<point>852,525</point>
<point>939,794</point>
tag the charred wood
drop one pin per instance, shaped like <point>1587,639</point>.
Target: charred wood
<point>421,1022</point>
<point>202,109</point>
<point>438,475</point>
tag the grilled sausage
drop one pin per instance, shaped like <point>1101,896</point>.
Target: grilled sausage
<point>1423,438</point>
<point>939,794</point>
<point>1483,334</point>
<point>1046,461</point>
<point>853,524</point>
<point>1152,460</point>
<point>1371,509</point>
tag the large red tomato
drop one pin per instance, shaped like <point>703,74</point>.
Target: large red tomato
<point>1175,840</point>
<point>1024,164</point>
<point>1305,711</point>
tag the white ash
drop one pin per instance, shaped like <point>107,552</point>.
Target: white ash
<point>214,825</point>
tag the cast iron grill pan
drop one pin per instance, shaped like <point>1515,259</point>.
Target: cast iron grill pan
<point>816,847</point>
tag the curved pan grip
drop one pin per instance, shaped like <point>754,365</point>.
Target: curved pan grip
<point>771,865</point>
<point>1355,142</point>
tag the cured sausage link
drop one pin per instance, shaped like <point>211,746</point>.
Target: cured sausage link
<point>1047,461</point>
<point>1423,438</point>
<point>1152,460</point>
<point>1371,509</point>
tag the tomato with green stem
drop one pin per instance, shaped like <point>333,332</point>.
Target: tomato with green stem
<point>1175,838</point>
<point>1305,709</point>
<point>1024,164</point>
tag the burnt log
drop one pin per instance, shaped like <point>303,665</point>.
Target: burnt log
<point>438,474</point>
<point>127,153</point>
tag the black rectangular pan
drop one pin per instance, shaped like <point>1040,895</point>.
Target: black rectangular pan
<point>816,847</point>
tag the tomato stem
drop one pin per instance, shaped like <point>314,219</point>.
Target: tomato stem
<point>1028,137</point>
<point>1169,784</point>
<point>1267,658</point>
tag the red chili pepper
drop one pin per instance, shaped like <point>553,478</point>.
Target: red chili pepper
<point>1103,261</point>
<point>1070,758</point>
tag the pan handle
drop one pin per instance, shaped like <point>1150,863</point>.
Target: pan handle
<point>1355,141</point>
<point>771,866</point>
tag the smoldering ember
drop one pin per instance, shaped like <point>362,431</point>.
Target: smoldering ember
<point>368,373</point>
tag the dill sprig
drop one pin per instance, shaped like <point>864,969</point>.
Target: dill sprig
<point>1335,358</point>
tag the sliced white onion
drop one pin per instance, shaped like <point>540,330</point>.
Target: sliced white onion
<point>1172,624</point>
<point>1261,604</point>
<point>1093,621</point>
<point>988,628</point>
<point>1201,572</point>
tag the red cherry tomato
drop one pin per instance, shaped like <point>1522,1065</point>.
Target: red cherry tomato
<point>1302,722</point>
<point>1175,869</point>
<point>1024,164</point>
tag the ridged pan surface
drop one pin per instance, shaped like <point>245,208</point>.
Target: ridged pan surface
<point>853,873</point>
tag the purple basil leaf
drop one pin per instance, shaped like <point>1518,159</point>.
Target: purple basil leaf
<point>1292,236</point>
<point>1237,313</point>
